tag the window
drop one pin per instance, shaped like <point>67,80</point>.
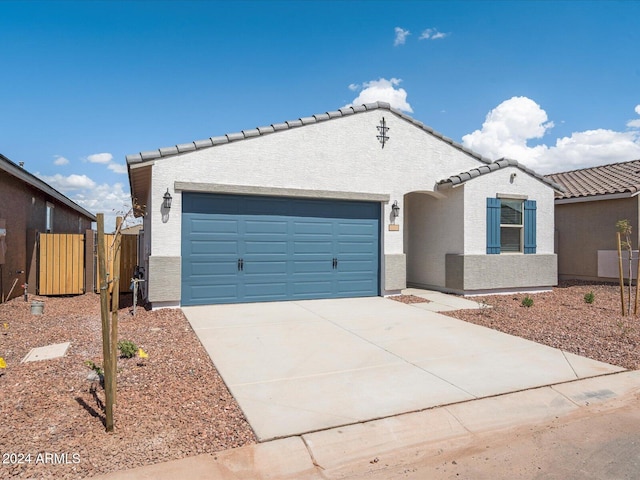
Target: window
<point>511,226</point>
<point>49,225</point>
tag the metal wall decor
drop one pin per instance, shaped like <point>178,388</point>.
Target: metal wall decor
<point>382,130</point>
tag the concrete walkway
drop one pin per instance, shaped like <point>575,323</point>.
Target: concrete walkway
<point>306,366</point>
<point>353,451</point>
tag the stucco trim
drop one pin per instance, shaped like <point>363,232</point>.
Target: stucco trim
<point>279,192</point>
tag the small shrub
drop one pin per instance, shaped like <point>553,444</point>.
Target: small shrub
<point>527,301</point>
<point>127,348</point>
<point>94,367</point>
<point>589,297</point>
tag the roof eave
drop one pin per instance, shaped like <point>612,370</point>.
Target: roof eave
<point>21,174</point>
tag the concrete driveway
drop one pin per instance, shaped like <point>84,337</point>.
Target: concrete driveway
<point>302,366</point>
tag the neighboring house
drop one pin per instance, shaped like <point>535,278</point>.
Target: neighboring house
<point>362,201</point>
<point>586,215</point>
<point>28,206</point>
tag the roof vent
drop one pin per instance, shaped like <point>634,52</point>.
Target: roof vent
<point>21,164</point>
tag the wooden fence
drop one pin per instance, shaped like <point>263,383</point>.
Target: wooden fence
<point>128,258</point>
<point>63,263</point>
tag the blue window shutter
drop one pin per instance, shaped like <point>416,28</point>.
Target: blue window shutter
<point>530,226</point>
<point>493,225</point>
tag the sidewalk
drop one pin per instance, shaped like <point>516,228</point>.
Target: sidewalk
<point>354,449</point>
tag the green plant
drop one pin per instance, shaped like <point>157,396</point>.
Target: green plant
<point>95,368</point>
<point>589,297</point>
<point>527,301</point>
<point>127,348</point>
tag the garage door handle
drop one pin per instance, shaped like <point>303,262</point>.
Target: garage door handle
<point>335,263</point>
<point>240,264</point>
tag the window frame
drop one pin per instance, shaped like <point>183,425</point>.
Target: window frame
<point>519,226</point>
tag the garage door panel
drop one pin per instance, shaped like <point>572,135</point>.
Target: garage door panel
<point>265,290</point>
<point>365,265</point>
<point>262,247</point>
<point>212,247</point>
<point>350,288</point>
<point>265,267</point>
<point>313,289</point>
<point>287,247</point>
<point>313,248</point>
<point>205,225</point>
<point>312,266</point>
<point>204,293</point>
<point>213,268</point>
<point>317,228</point>
<point>356,229</point>
<point>266,227</point>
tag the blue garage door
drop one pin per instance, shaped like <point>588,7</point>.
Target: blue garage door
<point>256,249</point>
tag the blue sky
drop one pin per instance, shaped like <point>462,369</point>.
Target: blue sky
<point>554,84</point>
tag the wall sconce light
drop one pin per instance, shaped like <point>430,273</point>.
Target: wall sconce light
<point>167,200</point>
<point>395,208</point>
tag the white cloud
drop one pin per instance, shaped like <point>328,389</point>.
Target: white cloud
<point>432,34</point>
<point>69,183</point>
<point>636,122</point>
<point>354,87</point>
<point>59,160</point>
<point>117,167</point>
<point>111,200</point>
<point>100,158</point>
<point>383,90</point>
<point>401,36</point>
<point>509,126</point>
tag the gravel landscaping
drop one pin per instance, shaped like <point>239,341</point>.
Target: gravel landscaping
<point>170,405</point>
<point>174,404</point>
<point>561,318</point>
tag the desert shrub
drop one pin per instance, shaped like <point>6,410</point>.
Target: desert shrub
<point>527,301</point>
<point>589,297</point>
<point>127,348</point>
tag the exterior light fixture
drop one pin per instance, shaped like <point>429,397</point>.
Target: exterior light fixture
<point>395,208</point>
<point>167,200</point>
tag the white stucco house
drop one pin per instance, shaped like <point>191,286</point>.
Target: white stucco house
<point>362,201</point>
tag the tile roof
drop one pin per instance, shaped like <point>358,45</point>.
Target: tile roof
<point>497,165</point>
<point>276,127</point>
<point>614,178</point>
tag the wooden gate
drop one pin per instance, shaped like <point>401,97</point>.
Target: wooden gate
<point>60,264</point>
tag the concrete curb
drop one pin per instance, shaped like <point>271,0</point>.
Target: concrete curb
<point>316,455</point>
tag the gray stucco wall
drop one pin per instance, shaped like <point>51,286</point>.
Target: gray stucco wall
<point>469,273</point>
<point>583,228</point>
<point>164,285</point>
<point>395,271</point>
